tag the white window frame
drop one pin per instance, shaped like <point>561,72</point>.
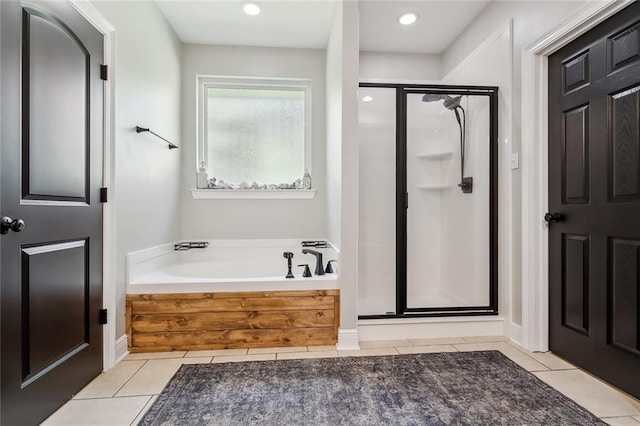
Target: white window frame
<point>204,82</point>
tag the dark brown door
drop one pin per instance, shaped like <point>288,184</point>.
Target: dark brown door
<point>51,158</point>
<point>594,188</point>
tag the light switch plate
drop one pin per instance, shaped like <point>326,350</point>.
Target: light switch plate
<point>515,161</point>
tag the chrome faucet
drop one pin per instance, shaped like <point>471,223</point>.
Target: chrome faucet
<point>318,255</point>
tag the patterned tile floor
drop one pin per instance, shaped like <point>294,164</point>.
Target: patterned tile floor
<point>123,394</point>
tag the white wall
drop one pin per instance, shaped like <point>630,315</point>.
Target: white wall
<point>530,20</point>
<point>202,219</point>
<point>349,204</point>
<point>399,67</point>
<point>147,93</point>
<point>334,129</point>
<point>342,161</point>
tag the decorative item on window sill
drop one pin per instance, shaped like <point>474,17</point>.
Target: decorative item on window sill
<point>145,129</point>
<point>306,180</point>
<point>220,184</point>
<point>203,182</point>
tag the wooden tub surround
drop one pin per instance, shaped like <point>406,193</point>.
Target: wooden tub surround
<point>202,321</point>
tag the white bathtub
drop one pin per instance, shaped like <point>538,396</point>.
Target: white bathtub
<point>226,265</point>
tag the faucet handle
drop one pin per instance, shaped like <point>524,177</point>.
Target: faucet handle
<point>329,268</point>
<point>307,271</point>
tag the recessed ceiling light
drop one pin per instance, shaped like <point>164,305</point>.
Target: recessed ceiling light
<point>367,99</point>
<point>408,18</point>
<point>251,8</point>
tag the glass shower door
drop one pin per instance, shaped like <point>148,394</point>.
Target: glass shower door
<point>377,201</point>
<point>448,175</point>
<point>428,179</point>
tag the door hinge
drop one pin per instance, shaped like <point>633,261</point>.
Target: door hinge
<point>103,316</point>
<point>103,72</point>
<point>103,195</point>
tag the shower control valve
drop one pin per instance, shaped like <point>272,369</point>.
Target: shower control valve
<point>466,185</point>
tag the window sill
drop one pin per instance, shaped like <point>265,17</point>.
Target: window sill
<point>255,194</point>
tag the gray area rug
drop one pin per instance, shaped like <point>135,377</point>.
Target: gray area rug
<point>458,388</point>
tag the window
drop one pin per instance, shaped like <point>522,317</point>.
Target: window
<point>254,133</point>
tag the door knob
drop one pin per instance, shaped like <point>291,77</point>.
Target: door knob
<point>7,224</point>
<point>553,217</point>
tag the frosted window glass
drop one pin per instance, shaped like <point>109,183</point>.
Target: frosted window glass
<point>255,135</point>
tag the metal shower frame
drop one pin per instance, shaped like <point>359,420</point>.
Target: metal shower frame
<point>402,90</point>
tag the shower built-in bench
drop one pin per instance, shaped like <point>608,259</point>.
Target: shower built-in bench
<point>230,320</point>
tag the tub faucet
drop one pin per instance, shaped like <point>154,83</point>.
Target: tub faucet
<point>318,255</point>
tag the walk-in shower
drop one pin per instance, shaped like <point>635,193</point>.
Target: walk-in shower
<point>428,200</point>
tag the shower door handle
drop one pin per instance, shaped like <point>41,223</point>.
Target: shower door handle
<point>553,218</point>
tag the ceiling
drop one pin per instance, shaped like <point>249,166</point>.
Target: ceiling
<point>439,23</point>
<point>281,23</point>
<point>307,23</point>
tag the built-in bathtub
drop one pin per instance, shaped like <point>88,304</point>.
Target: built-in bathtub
<point>231,294</point>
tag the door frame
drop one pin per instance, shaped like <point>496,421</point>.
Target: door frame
<point>535,178</point>
<point>110,347</point>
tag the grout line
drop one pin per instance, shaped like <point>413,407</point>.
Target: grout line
<point>140,411</point>
<point>129,379</point>
<point>618,417</point>
<point>561,369</point>
<point>133,396</point>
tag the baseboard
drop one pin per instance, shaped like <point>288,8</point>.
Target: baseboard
<point>122,348</point>
<point>348,340</point>
<point>515,333</point>
<point>425,328</point>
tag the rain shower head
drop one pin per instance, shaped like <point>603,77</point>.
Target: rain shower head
<point>449,102</point>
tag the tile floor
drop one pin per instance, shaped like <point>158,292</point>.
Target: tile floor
<point>122,395</point>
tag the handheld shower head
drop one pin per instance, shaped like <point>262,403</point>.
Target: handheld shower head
<point>452,103</point>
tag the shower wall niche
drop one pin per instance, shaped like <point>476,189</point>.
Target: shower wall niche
<point>428,200</point>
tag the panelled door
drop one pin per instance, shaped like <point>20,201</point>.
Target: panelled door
<point>51,241</point>
<point>594,200</point>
